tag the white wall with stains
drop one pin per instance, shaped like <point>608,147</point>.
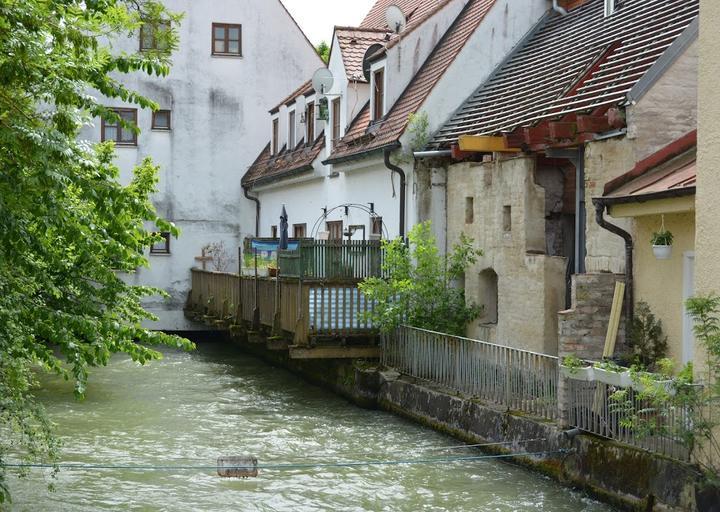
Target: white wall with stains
<point>219,125</point>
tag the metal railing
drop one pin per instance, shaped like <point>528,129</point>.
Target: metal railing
<point>594,407</point>
<point>333,259</point>
<point>516,379</point>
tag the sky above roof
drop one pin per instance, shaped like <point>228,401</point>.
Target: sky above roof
<point>318,17</point>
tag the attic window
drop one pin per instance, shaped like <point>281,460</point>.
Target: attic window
<point>378,94</point>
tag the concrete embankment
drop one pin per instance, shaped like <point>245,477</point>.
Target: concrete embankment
<point>627,477</point>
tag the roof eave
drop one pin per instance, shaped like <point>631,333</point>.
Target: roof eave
<point>643,198</point>
<point>361,154</point>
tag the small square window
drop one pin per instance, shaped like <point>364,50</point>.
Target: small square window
<point>507,218</point>
<point>152,37</point>
<point>227,39</point>
<point>469,210</point>
<point>162,246</point>
<point>121,135</point>
<point>299,230</point>
<point>161,120</point>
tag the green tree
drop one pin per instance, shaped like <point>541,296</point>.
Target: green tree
<point>67,225</point>
<point>323,49</point>
<point>420,287</point>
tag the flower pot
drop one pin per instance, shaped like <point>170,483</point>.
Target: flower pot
<point>272,272</point>
<point>618,379</point>
<point>662,252</point>
<point>584,373</point>
<point>666,384</point>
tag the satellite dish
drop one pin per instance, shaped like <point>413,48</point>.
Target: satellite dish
<point>395,18</point>
<point>322,80</point>
<point>374,48</point>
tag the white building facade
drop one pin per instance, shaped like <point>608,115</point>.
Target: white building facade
<point>431,67</point>
<point>235,58</point>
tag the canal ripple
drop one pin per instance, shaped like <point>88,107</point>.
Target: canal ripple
<point>189,409</point>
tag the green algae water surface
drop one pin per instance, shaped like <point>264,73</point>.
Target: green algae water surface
<point>188,409</point>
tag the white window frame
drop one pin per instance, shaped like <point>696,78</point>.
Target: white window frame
<point>292,129</point>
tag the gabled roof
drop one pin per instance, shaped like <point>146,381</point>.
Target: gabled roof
<point>303,90</point>
<point>577,63</point>
<point>268,167</point>
<point>387,132</point>
<point>354,42</point>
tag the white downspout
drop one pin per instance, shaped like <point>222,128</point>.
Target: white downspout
<point>559,9</point>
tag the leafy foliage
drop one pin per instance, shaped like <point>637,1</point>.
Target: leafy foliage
<point>663,393</point>
<point>323,50</point>
<point>418,290</point>
<point>647,340</point>
<point>662,237</point>
<point>67,225</point>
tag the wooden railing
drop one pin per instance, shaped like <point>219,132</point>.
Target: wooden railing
<point>333,260</point>
<point>303,308</point>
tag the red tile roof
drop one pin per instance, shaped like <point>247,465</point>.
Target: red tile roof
<point>354,42</point>
<point>267,167</point>
<point>388,131</point>
<point>673,178</point>
<point>572,64</point>
<point>304,89</point>
<point>416,11</point>
<point>669,171</point>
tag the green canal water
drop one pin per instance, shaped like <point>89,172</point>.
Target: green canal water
<point>189,409</point>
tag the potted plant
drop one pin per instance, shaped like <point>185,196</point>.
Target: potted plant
<point>572,367</point>
<point>612,374</point>
<point>272,270</point>
<point>662,244</point>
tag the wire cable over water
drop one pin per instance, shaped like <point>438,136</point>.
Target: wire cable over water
<point>281,466</point>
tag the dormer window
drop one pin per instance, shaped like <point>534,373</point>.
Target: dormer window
<point>378,94</point>
<point>310,120</point>
<point>291,130</point>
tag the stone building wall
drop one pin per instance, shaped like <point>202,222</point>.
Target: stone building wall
<point>501,207</point>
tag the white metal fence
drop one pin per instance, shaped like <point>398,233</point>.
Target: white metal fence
<point>594,407</point>
<point>516,379</point>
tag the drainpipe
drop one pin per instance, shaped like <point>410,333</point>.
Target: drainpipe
<point>257,210</point>
<point>401,173</point>
<point>557,8</point>
<point>629,293</point>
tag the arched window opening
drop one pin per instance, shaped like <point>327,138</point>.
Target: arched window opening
<point>488,295</point>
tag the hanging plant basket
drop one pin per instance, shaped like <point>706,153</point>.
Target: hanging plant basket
<point>662,252</point>
<point>662,242</point>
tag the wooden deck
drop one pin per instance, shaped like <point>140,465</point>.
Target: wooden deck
<point>311,318</point>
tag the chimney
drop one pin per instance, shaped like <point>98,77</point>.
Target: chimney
<point>569,5</point>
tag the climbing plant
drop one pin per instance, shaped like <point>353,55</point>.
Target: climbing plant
<point>68,227</point>
<point>418,289</point>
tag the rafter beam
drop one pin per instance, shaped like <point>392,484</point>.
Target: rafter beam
<point>485,144</point>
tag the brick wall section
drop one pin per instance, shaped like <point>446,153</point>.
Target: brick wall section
<point>582,329</point>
